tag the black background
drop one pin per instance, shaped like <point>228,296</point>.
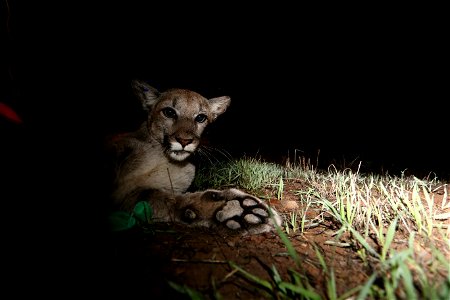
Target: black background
<point>360,84</point>
<point>366,86</point>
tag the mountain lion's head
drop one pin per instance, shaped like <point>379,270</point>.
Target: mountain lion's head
<point>178,117</point>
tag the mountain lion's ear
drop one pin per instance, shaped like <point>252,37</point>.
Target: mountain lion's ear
<point>219,105</point>
<point>145,93</point>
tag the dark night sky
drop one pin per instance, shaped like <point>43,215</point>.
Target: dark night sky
<point>356,87</point>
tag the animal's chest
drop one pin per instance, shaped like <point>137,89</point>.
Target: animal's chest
<point>157,172</point>
<point>170,177</point>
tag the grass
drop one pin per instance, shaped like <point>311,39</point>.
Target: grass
<point>247,173</point>
<point>372,211</point>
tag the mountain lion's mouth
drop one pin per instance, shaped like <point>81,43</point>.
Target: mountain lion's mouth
<point>180,152</point>
<point>179,155</point>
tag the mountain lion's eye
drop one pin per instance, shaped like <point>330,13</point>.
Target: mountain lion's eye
<point>200,118</point>
<point>169,112</point>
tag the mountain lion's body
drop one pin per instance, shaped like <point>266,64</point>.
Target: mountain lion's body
<point>153,164</point>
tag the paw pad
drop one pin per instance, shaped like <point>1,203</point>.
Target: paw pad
<point>249,202</point>
<point>260,212</point>
<point>242,213</point>
<point>252,219</point>
<point>232,224</point>
<point>231,209</point>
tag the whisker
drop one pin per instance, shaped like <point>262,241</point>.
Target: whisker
<point>204,154</point>
<point>213,155</point>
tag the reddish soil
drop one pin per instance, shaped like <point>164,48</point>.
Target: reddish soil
<point>199,258</point>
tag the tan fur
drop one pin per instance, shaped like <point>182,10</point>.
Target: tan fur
<point>153,163</point>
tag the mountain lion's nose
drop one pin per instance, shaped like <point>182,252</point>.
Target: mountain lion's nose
<point>184,142</point>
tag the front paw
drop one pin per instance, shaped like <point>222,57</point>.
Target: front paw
<point>245,212</point>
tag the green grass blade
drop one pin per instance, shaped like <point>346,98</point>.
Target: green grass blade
<point>183,289</point>
<point>363,294</point>
<point>321,259</point>
<point>290,248</point>
<point>408,282</point>
<point>331,286</point>
<point>276,275</point>
<point>263,283</point>
<point>308,294</point>
<point>364,243</point>
<point>389,238</point>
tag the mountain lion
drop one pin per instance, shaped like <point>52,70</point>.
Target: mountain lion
<point>153,164</point>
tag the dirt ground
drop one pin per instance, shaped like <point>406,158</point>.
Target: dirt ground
<point>199,258</point>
